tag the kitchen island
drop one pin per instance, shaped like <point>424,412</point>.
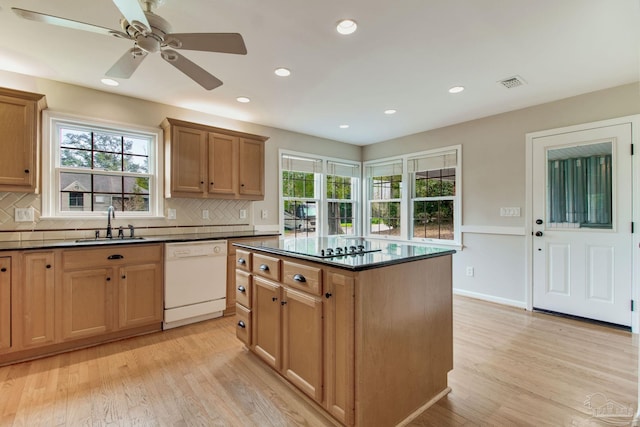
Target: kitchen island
<point>365,332</point>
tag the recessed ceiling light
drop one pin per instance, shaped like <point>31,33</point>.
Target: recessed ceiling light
<point>109,82</point>
<point>344,126</point>
<point>347,26</point>
<point>390,111</point>
<point>243,99</point>
<point>456,89</point>
<point>282,72</point>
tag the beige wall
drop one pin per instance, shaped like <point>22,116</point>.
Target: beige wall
<point>77,100</point>
<point>493,169</point>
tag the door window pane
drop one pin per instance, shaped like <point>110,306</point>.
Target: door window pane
<point>579,187</point>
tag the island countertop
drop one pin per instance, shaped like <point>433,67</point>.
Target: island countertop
<point>380,253</point>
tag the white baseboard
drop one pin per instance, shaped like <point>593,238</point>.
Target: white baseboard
<point>490,298</point>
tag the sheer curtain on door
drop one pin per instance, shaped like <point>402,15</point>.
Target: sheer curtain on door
<point>579,191</point>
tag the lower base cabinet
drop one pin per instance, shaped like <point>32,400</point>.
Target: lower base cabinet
<point>371,347</point>
<point>5,303</point>
<point>52,301</point>
<point>37,310</point>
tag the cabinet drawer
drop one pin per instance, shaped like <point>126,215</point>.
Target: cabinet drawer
<point>302,277</point>
<point>114,254</point>
<point>266,266</point>
<point>243,288</point>
<point>243,324</point>
<point>243,260</point>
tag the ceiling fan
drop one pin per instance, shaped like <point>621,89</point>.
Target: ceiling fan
<point>151,33</point>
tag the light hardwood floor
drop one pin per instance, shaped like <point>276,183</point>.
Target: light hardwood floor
<point>511,368</point>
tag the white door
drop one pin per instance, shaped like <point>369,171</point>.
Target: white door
<point>582,213</point>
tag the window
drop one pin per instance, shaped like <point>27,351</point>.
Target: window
<point>319,196</point>
<point>301,179</point>
<point>433,194</point>
<point>385,199</point>
<point>342,195</point>
<point>429,209</point>
<point>93,166</point>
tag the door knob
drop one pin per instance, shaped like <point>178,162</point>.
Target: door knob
<point>539,233</point>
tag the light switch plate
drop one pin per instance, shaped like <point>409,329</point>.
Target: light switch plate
<point>205,214</point>
<point>265,214</point>
<point>509,211</point>
<point>243,213</point>
<point>171,214</point>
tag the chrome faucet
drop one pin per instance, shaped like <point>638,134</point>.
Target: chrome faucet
<point>110,213</point>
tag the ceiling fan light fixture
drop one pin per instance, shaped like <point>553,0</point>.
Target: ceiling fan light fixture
<point>456,89</point>
<point>346,26</point>
<point>169,55</point>
<point>243,99</point>
<point>109,82</point>
<point>282,72</point>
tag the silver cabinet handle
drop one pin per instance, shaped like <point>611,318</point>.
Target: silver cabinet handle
<point>241,324</point>
<point>241,289</point>
<point>299,278</point>
<point>264,267</point>
<point>241,261</point>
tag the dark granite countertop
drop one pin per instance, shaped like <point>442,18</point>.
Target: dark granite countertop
<point>386,252</point>
<point>169,238</point>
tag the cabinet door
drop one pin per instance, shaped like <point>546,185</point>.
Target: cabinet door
<point>19,137</point>
<point>5,303</point>
<point>223,164</point>
<point>140,295</point>
<point>251,169</point>
<point>339,347</point>
<point>266,320</point>
<point>302,341</point>
<point>38,301</point>
<point>87,308</point>
<point>188,160</point>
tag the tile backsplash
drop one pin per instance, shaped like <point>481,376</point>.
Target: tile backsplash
<point>224,215</point>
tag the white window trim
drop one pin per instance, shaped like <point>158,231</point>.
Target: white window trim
<point>50,194</point>
<point>405,202</point>
<point>322,202</point>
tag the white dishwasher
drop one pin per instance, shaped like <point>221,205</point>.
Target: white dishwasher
<point>195,282</point>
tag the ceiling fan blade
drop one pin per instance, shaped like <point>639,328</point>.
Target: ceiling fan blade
<point>208,42</point>
<point>127,64</point>
<point>133,13</point>
<point>67,23</point>
<point>191,69</point>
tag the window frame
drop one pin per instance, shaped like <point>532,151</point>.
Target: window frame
<point>320,192</point>
<point>51,169</point>
<point>407,199</point>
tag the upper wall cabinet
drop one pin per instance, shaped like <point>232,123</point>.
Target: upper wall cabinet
<point>209,162</point>
<point>19,139</point>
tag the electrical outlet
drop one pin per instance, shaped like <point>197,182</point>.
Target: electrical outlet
<point>243,213</point>
<point>205,214</point>
<point>171,214</point>
<point>23,215</point>
<point>470,271</point>
<point>264,214</point>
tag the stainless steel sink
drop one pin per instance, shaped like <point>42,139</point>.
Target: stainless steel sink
<point>104,240</point>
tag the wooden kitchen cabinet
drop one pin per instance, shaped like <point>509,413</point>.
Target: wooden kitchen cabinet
<point>208,162</point>
<point>266,320</point>
<point>88,302</point>
<point>36,312</point>
<point>339,345</point>
<point>110,289</point>
<point>19,138</point>
<point>286,323</point>
<point>5,303</point>
<point>140,295</point>
<point>302,341</point>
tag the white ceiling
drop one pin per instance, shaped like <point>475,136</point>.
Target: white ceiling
<point>405,55</point>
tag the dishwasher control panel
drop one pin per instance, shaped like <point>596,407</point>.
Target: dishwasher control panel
<point>195,249</point>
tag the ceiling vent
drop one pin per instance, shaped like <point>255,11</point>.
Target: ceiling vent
<point>512,82</point>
